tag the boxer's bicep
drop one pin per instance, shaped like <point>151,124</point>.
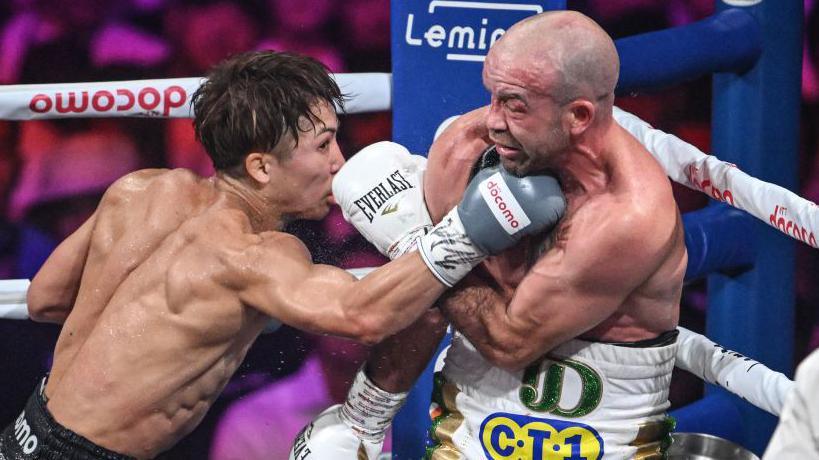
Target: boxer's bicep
<point>450,162</point>
<point>284,284</point>
<point>570,290</point>
<point>54,288</point>
<point>326,299</point>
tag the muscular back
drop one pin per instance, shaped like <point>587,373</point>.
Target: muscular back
<point>154,333</point>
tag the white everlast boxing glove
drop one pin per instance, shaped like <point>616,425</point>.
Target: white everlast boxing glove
<point>354,430</point>
<point>380,191</point>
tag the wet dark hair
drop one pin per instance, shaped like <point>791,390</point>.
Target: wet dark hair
<point>252,101</point>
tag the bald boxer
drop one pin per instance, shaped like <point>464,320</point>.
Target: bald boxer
<point>162,291</point>
<point>564,345</point>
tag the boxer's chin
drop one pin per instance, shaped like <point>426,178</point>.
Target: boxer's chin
<point>317,212</point>
<point>321,212</point>
<point>515,168</point>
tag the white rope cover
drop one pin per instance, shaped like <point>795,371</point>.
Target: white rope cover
<point>775,205</point>
<point>683,163</point>
<point>169,97</point>
<point>723,181</point>
<point>13,299</point>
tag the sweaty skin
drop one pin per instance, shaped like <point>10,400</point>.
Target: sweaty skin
<point>613,268</point>
<point>590,282</point>
<point>163,290</point>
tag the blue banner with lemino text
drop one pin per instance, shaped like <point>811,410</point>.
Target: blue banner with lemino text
<point>438,48</point>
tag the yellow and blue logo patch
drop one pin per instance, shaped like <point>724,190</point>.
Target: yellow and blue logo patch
<point>514,436</point>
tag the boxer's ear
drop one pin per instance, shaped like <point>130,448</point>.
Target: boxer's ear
<point>581,114</point>
<point>258,167</point>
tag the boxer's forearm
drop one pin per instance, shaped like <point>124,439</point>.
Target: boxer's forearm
<point>54,288</point>
<point>391,297</point>
<point>396,363</point>
<point>479,313</point>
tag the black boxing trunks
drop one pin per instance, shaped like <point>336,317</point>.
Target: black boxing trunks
<point>36,435</point>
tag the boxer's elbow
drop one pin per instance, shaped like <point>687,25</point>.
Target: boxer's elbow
<point>511,361</point>
<point>368,328</point>
<point>45,309</point>
<point>511,353</point>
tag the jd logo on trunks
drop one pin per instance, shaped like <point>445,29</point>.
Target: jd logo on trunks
<point>372,201</point>
<point>22,432</point>
<point>514,436</point>
<point>548,382</point>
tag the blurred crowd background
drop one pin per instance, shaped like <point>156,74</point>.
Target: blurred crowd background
<point>52,173</point>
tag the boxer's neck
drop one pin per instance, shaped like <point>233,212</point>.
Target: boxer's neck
<point>263,215</point>
<point>585,168</point>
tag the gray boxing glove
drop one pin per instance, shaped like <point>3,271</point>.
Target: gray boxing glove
<point>497,210</point>
<point>494,222</point>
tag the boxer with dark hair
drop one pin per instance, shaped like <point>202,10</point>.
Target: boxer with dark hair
<point>163,290</point>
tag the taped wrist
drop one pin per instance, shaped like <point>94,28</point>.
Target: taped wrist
<point>369,410</point>
<point>408,242</point>
<point>448,251</point>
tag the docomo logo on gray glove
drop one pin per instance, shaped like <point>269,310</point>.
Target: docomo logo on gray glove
<point>503,204</point>
<point>497,210</point>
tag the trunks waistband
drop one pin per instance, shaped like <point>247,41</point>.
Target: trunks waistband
<point>36,435</point>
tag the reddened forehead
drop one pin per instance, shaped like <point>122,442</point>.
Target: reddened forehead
<point>558,47</point>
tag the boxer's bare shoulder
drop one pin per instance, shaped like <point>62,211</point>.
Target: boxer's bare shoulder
<point>451,159</point>
<point>148,204</point>
<point>157,189</point>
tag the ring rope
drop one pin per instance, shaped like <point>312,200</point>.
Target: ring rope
<point>687,165</point>
<point>682,162</point>
<point>160,98</point>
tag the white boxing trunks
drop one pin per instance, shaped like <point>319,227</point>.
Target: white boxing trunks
<point>584,400</point>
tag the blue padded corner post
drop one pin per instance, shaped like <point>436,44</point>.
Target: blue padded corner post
<point>717,414</point>
<point>729,41</point>
<point>710,237</point>
<point>438,49</point>
<point>755,124</point>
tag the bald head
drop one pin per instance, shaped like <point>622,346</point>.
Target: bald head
<point>565,52</point>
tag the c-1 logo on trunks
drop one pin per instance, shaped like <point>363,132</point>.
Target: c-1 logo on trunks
<point>514,436</point>
<point>542,389</point>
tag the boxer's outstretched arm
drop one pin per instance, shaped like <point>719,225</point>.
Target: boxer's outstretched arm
<point>285,284</point>
<point>396,363</point>
<point>54,288</point>
<point>571,289</point>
